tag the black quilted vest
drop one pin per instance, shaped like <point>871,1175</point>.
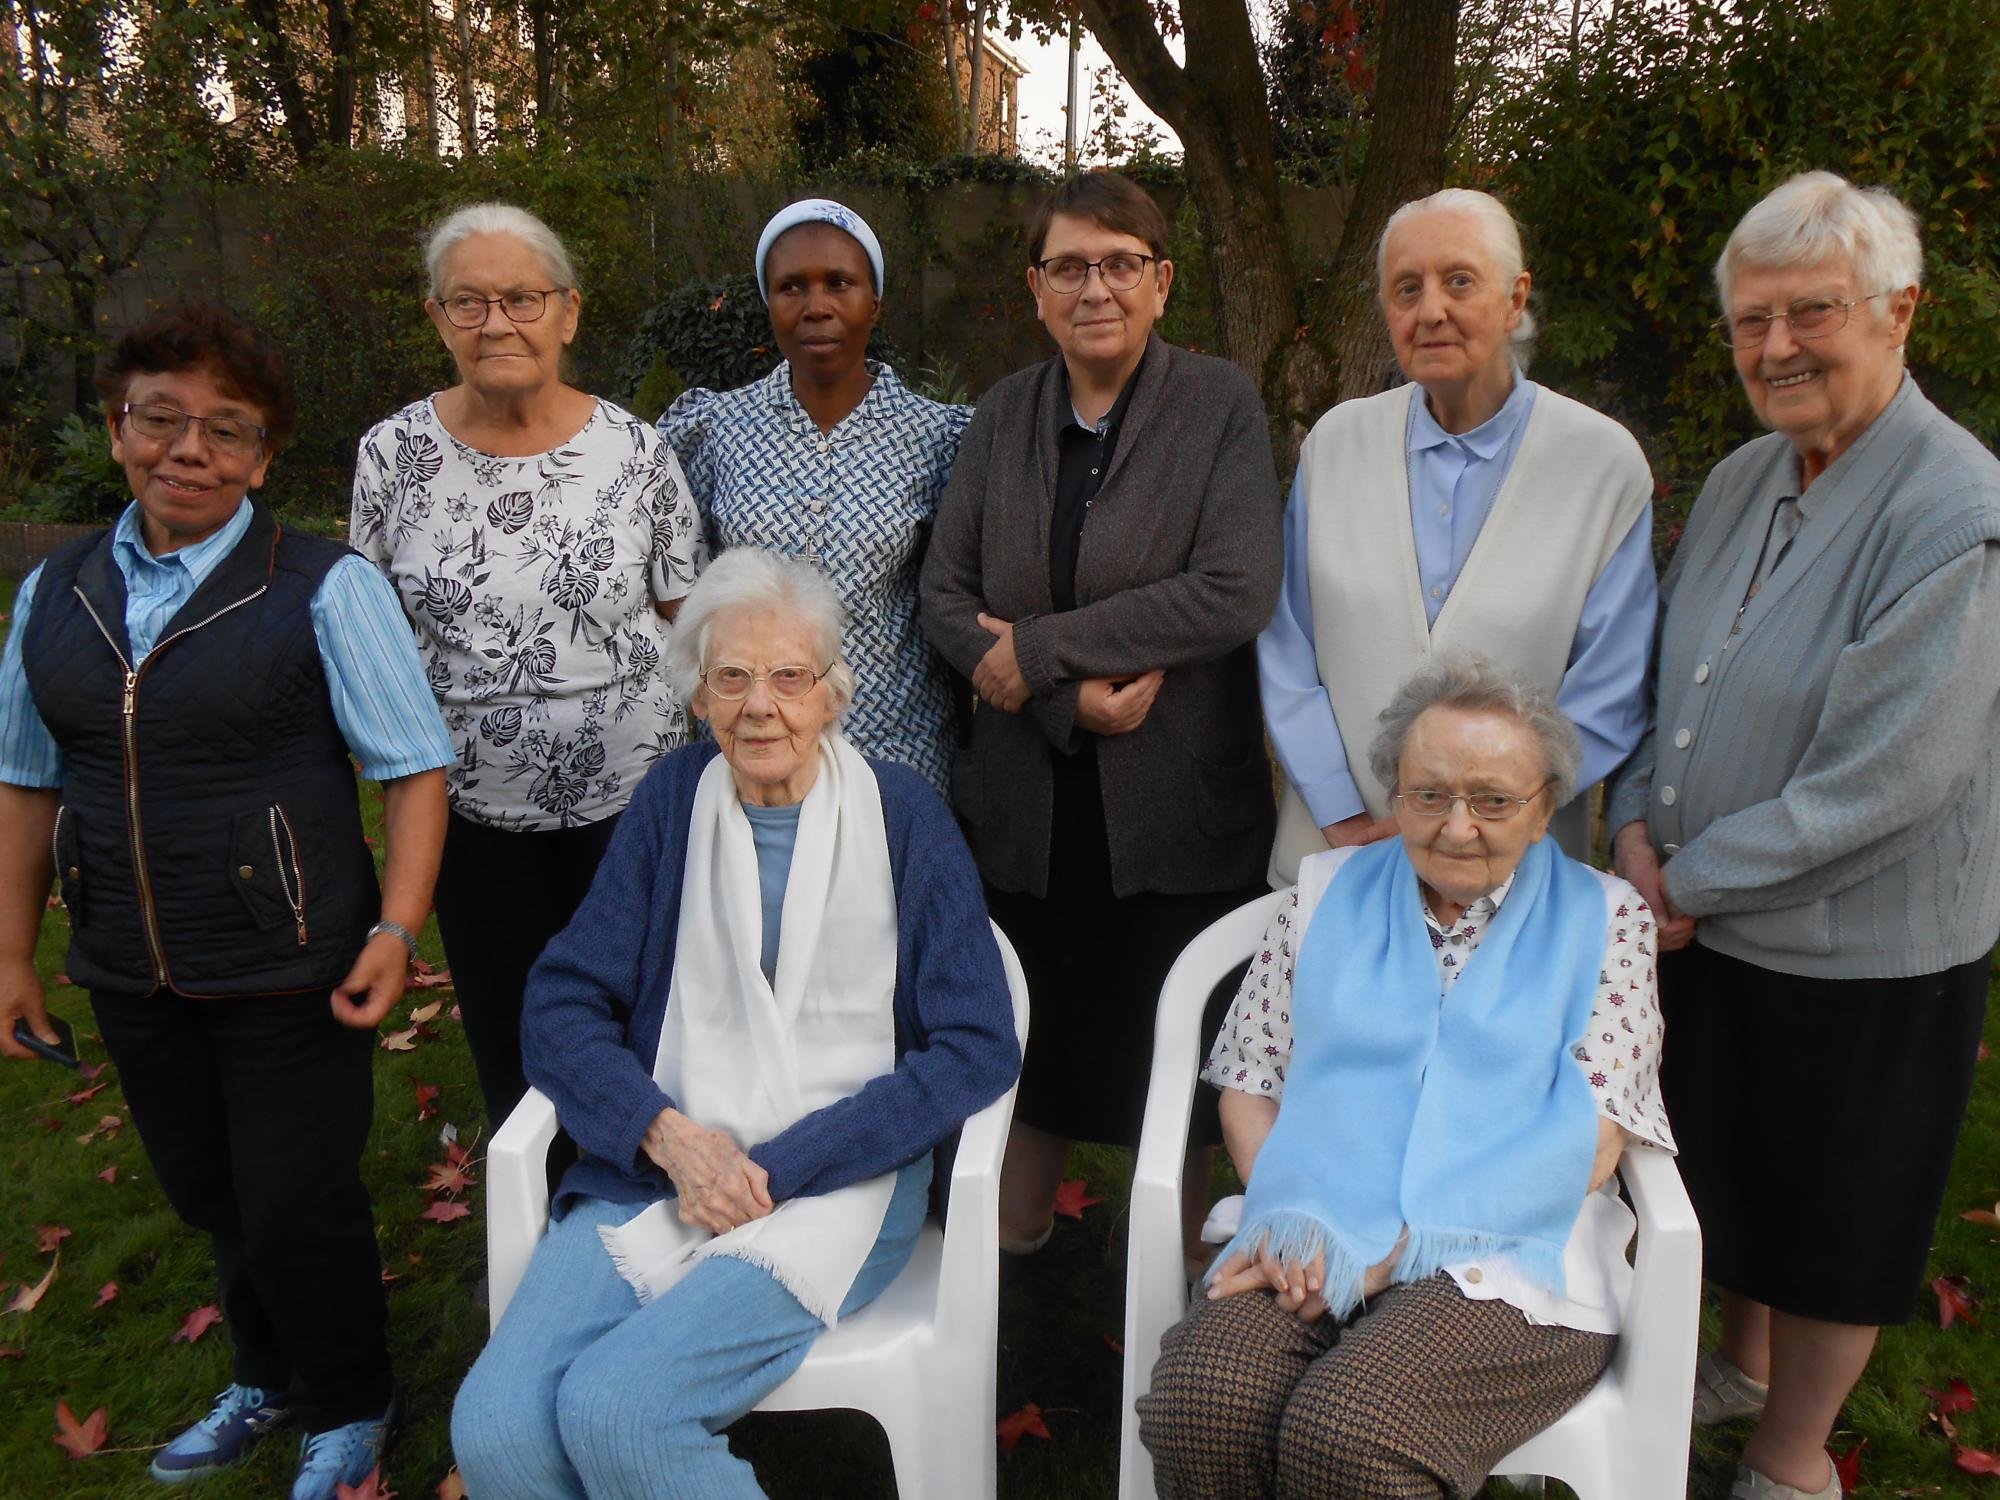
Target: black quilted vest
<point>209,839</point>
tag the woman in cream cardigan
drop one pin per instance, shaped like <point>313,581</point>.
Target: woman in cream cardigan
<point>1469,508</point>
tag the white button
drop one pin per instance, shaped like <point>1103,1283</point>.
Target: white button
<point>1701,673</point>
<point>823,445</point>
<point>1684,739</point>
<point>1444,510</point>
<point>1474,1275</point>
<point>1667,795</point>
<point>1436,592</point>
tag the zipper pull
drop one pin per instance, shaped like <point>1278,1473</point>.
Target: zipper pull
<point>302,931</point>
<point>131,691</point>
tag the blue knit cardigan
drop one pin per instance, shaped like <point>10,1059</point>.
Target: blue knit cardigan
<point>598,994</point>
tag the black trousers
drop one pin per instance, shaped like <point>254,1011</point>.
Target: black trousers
<point>500,897</point>
<point>255,1112</point>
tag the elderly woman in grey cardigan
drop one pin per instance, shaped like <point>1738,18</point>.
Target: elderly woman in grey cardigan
<point>1104,556</point>
<point>1814,815</point>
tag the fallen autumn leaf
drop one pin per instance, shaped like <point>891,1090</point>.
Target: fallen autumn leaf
<point>445,1213</point>
<point>106,1293</point>
<point>26,1298</point>
<point>1955,1300</point>
<point>1027,1422</point>
<point>1072,1198</point>
<point>80,1439</point>
<point>197,1323</point>
<point>49,1236</point>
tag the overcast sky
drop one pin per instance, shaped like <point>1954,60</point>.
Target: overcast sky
<point>1044,94</point>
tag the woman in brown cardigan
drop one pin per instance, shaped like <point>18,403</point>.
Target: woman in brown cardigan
<point>1105,554</point>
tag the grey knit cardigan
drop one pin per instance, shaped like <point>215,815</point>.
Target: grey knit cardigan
<point>1823,783</point>
<point>1181,556</point>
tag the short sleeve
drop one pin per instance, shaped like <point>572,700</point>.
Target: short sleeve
<point>679,550</point>
<point>687,427</point>
<point>382,703</point>
<point>29,755</point>
<point>1619,1053</point>
<point>1254,1047</point>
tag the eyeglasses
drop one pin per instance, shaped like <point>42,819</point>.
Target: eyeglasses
<point>732,684</point>
<point>1067,273</point>
<point>1488,807</point>
<point>1810,318</point>
<point>165,424</point>
<point>523,306</point>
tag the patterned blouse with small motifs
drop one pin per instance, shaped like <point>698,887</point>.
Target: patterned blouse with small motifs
<point>531,584</point>
<point>1619,1054</point>
<point>856,502</point>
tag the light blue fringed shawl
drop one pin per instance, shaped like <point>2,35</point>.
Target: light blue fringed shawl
<point>1463,1118</point>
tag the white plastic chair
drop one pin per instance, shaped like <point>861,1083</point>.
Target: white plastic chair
<point>919,1359</point>
<point>1626,1440</point>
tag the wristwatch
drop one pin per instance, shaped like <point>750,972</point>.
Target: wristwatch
<point>394,929</point>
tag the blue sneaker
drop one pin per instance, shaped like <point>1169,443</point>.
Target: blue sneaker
<point>344,1455</point>
<point>241,1415</point>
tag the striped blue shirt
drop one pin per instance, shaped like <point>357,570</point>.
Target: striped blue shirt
<point>380,699</point>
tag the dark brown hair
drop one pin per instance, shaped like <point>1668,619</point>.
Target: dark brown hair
<point>199,335</point>
<point>1109,201</point>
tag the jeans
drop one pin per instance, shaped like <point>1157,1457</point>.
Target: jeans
<point>254,1112</point>
<point>583,1392</point>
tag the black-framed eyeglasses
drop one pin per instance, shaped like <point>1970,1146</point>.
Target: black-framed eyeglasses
<point>1122,270</point>
<point>732,684</point>
<point>165,424</point>
<point>524,305</point>
<point>1488,807</point>
<point>1808,318</point>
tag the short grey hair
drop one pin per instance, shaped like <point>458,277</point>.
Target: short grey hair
<point>1472,684</point>
<point>1502,236</point>
<point>1817,217</point>
<point>753,580</point>
<point>497,218</point>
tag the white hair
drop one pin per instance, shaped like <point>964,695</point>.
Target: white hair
<point>497,218</point>
<point>751,580</point>
<point>1818,217</point>
<point>1472,684</point>
<point>1503,247</point>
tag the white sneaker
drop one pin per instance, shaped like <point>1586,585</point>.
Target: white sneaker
<point>1722,1393</point>
<point>1750,1485</point>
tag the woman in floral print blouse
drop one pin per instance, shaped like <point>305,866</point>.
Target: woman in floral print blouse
<point>541,540</point>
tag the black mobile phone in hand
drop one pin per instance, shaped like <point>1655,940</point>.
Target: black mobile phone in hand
<point>64,1051</point>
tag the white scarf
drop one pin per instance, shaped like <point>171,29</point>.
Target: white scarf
<point>744,1056</point>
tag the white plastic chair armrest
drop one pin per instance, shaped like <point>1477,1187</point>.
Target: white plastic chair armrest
<point>969,1270</point>
<point>517,1197</point>
<point>1656,1351</point>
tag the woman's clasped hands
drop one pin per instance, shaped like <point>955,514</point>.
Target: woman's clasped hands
<point>1300,1287</point>
<point>719,1187</point>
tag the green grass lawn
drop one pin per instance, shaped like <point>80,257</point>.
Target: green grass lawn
<point>1060,1312</point>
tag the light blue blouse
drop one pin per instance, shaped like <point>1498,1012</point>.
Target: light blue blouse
<point>1454,480</point>
<point>380,700</point>
<point>857,502</point>
<point>775,833</point>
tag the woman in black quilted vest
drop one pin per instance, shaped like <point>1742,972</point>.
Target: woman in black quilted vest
<point>183,699</point>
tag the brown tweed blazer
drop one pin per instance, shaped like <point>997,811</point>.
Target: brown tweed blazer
<point>1181,558</point>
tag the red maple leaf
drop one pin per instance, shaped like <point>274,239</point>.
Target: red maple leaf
<point>105,1293</point>
<point>86,1095</point>
<point>109,1174</point>
<point>1974,1461</point>
<point>1955,1300</point>
<point>48,1236</point>
<point>444,1213</point>
<point>80,1439</point>
<point>1027,1422</point>
<point>198,1322</point>
<point>1072,1199</point>
<point>371,1488</point>
<point>1848,1467</point>
<point>427,1098</point>
<point>1954,1398</point>
<point>449,1177</point>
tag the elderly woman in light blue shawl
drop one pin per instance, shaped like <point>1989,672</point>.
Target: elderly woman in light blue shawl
<point>1441,1049</point>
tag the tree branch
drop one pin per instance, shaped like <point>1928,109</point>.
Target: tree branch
<point>1130,37</point>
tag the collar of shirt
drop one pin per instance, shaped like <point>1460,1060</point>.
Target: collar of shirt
<point>128,549</point>
<point>881,401</point>
<point>1484,441</point>
<point>1111,418</point>
<point>1480,912</point>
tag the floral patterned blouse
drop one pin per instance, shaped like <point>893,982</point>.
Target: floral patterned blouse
<point>531,584</point>
<point>1619,1056</point>
<point>857,502</point>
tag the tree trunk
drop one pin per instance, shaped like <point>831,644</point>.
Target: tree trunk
<point>430,82</point>
<point>976,50</point>
<point>542,33</point>
<point>285,82</point>
<point>344,86</point>
<point>468,96</point>
<point>666,91</point>
<point>951,76</point>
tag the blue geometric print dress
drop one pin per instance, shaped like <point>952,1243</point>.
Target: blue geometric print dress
<point>858,503</point>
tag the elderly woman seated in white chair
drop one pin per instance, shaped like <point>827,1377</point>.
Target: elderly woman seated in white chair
<point>779,995</point>
<point>1440,1051</point>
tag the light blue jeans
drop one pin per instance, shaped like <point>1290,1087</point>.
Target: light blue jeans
<point>583,1394</point>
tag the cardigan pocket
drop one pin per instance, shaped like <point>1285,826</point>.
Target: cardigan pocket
<point>1788,929</point>
<point>264,870</point>
<point>1231,798</point>
<point>68,847</point>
